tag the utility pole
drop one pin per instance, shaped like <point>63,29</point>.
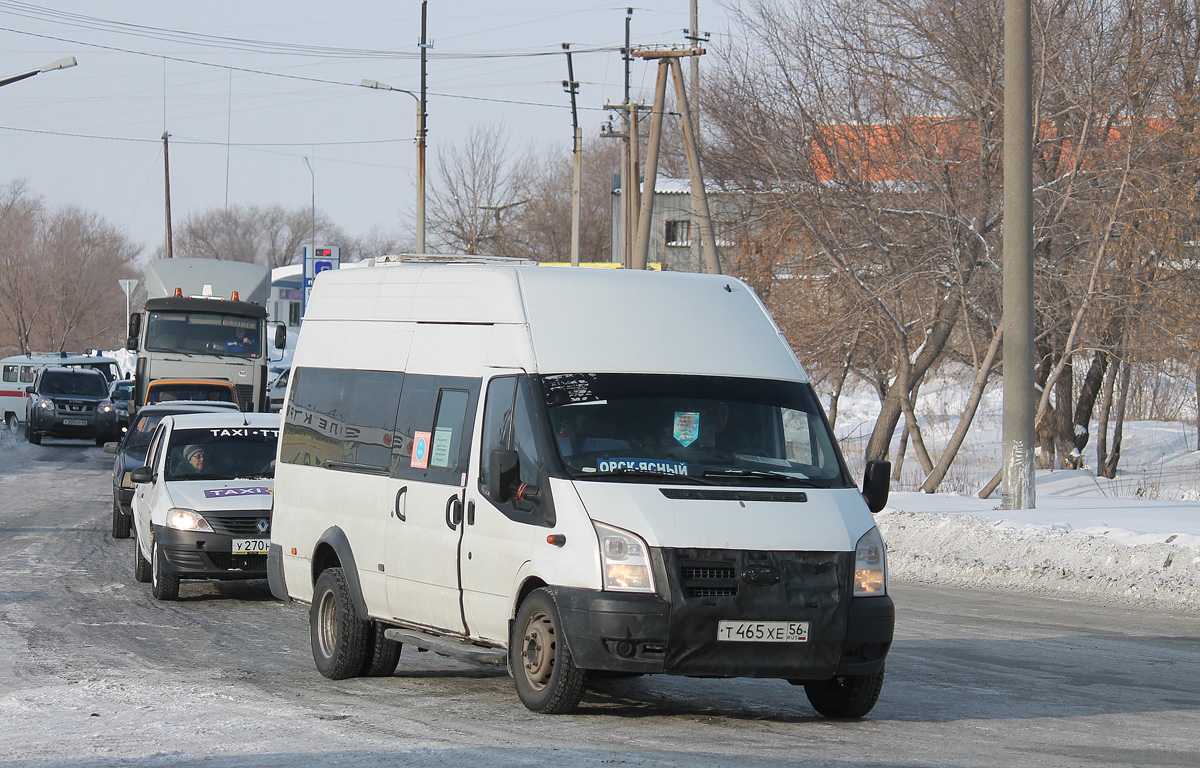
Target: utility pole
<point>1019,409</point>
<point>167,179</point>
<point>670,60</point>
<point>421,137</point>
<point>656,117</point>
<point>572,87</point>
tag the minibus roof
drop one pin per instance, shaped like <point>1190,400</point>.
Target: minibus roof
<point>579,320</point>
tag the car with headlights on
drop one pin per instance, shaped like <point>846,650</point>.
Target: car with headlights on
<point>67,402</point>
<point>115,419</point>
<point>131,452</point>
<point>202,501</point>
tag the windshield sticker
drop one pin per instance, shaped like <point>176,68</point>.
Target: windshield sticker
<point>420,450</point>
<point>643,465</point>
<point>257,490</point>
<point>687,427</point>
<point>441,446</point>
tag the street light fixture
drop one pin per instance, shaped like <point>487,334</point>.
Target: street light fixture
<point>60,64</point>
<point>420,155</point>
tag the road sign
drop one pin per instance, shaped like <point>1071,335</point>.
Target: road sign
<point>318,259</point>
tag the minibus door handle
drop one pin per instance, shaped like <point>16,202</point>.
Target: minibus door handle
<point>471,512</point>
<point>453,512</point>
<point>400,503</point>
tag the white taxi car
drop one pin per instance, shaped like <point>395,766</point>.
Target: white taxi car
<point>202,503</point>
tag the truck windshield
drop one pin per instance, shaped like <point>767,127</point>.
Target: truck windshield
<point>724,429</point>
<point>203,333</point>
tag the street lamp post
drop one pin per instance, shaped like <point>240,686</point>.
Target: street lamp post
<point>60,64</point>
<point>312,247</point>
<point>420,156</point>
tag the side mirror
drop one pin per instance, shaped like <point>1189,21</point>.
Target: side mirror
<point>280,336</point>
<point>876,481</point>
<point>504,473</point>
<point>29,390</point>
<point>111,447</point>
<point>135,330</point>
<point>141,475</point>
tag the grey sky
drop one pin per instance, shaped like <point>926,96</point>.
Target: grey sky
<point>91,135</point>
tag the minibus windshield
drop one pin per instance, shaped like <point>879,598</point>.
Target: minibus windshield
<point>636,427</point>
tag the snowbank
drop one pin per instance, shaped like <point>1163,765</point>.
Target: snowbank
<point>1109,564</point>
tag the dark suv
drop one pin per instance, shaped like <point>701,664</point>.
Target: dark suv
<point>68,402</point>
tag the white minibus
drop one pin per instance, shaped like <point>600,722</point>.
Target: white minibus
<point>573,473</point>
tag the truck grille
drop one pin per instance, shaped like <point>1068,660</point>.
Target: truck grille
<point>245,394</point>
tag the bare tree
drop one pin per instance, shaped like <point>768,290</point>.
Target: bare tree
<point>480,183</point>
<point>20,284</point>
<point>271,235</point>
<point>58,274</point>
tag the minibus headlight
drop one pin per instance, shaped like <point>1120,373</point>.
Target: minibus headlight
<point>187,520</point>
<point>626,560</point>
<point>870,565</point>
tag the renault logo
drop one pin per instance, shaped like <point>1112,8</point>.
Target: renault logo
<point>760,575</point>
<point>263,525</point>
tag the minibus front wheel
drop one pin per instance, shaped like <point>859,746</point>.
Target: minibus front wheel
<point>547,679</point>
<point>844,696</point>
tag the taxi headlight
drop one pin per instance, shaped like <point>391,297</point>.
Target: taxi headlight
<point>625,559</point>
<point>187,520</point>
<point>870,565</point>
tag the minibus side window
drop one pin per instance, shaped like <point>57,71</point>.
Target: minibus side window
<point>10,373</point>
<point>27,373</point>
<point>508,424</point>
<point>433,428</point>
<point>341,419</point>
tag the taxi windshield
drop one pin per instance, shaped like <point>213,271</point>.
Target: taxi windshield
<point>221,453</point>
<point>723,429</point>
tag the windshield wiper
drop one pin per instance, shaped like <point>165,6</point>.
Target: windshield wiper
<point>646,473</point>
<point>758,474</point>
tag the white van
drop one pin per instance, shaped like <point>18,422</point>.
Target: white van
<point>17,373</point>
<point>571,472</point>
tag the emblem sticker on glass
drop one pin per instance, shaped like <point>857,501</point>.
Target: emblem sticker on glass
<point>420,450</point>
<point>687,427</point>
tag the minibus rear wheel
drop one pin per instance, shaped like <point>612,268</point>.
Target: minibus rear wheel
<point>546,677</point>
<point>845,696</point>
<point>338,636</point>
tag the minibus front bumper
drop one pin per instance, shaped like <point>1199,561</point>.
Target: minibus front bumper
<point>677,633</point>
